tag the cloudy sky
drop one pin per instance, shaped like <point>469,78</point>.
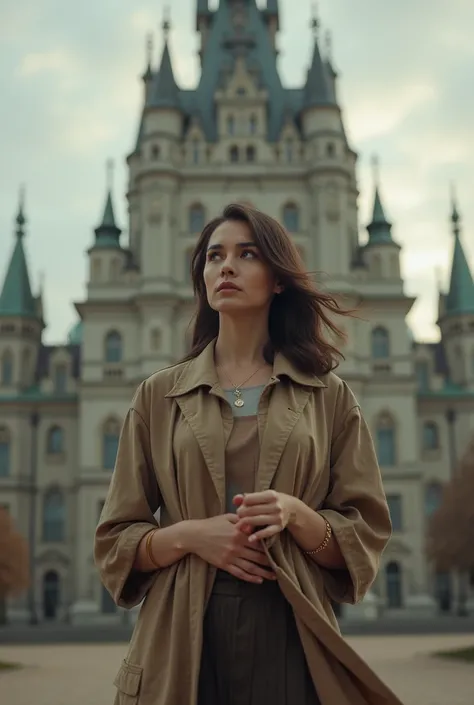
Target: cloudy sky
<point>71,98</point>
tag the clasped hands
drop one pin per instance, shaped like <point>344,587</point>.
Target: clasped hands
<point>263,514</point>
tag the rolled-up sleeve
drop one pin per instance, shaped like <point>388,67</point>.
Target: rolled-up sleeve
<point>356,507</point>
<point>128,515</point>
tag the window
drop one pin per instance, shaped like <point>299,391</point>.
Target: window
<point>395,506</point>
<point>231,125</point>
<point>393,576</point>
<point>430,436</point>
<point>386,441</point>
<point>422,373</point>
<point>53,516</point>
<point>7,369</point>
<point>110,441</point>
<point>289,151</point>
<point>5,447</point>
<point>433,497</point>
<point>60,379</point>
<point>155,152</point>
<point>234,154</point>
<point>380,343</point>
<point>55,443</point>
<point>113,347</point>
<point>331,150</point>
<point>155,339</point>
<point>241,91</point>
<point>250,154</point>
<point>253,124</point>
<point>291,217</point>
<point>197,218</point>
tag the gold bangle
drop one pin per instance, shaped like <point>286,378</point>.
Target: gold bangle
<point>324,542</point>
<point>149,553</point>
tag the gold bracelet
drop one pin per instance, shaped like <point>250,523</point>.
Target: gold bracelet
<point>324,542</point>
<point>149,553</point>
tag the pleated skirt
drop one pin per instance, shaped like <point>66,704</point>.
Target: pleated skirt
<point>252,653</point>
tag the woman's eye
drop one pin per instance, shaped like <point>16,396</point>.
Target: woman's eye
<point>249,252</point>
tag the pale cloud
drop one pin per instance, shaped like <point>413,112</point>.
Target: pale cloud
<point>72,96</point>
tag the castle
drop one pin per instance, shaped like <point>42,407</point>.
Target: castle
<point>240,135</point>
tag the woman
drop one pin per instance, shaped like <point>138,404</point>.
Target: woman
<point>270,498</point>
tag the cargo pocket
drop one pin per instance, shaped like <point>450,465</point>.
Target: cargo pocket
<point>127,681</point>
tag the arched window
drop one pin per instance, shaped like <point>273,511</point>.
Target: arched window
<point>7,368</point>
<point>422,373</point>
<point>60,379</point>
<point>196,152</point>
<point>54,516</point>
<point>394,502</point>
<point>113,347</point>
<point>110,441</point>
<point>250,153</point>
<point>5,448</point>
<point>380,343</point>
<point>291,217</point>
<point>430,436</point>
<point>234,154</point>
<point>231,125</point>
<point>331,150</point>
<point>155,152</point>
<point>51,594</point>
<point>385,437</point>
<point>393,576</point>
<point>155,339</point>
<point>55,441</point>
<point>433,497</point>
<point>253,124</point>
<point>197,218</point>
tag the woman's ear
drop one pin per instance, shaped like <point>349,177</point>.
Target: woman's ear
<point>278,288</point>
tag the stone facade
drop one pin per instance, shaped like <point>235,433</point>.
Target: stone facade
<point>286,152</point>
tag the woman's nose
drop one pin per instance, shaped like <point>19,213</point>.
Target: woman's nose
<point>227,266</point>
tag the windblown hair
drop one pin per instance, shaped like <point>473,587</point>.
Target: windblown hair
<point>300,316</point>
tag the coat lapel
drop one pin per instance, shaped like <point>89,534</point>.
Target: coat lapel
<point>286,405</point>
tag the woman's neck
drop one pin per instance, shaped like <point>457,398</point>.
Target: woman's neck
<point>240,343</point>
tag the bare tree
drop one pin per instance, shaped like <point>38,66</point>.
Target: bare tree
<point>14,566</point>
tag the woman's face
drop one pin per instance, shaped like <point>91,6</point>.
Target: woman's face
<point>236,278</point>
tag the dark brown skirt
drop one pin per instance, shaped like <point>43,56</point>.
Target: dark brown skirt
<point>252,653</point>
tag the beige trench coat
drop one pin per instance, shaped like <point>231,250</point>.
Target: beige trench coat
<point>315,445</point>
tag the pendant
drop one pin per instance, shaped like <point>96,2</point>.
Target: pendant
<point>239,402</point>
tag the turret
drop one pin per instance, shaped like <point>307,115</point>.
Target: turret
<point>456,311</point>
<point>20,317</point>
<point>106,256</point>
<point>382,253</point>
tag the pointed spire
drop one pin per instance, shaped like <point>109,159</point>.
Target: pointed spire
<point>318,89</point>
<point>16,298</point>
<point>108,233</point>
<point>460,297</point>
<point>164,91</point>
<point>380,229</point>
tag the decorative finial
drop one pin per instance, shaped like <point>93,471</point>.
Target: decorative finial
<point>110,173</point>
<point>20,218</point>
<point>328,45</point>
<point>315,23</point>
<point>166,21</point>
<point>376,170</point>
<point>455,217</point>
<point>149,49</point>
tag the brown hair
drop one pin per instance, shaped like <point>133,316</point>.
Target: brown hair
<point>299,316</point>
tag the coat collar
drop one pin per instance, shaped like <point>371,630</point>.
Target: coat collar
<point>201,372</point>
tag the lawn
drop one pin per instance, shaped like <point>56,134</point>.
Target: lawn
<point>466,654</point>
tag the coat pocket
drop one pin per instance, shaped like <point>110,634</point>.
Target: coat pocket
<point>127,681</point>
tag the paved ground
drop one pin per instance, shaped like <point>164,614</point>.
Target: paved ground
<point>82,674</point>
